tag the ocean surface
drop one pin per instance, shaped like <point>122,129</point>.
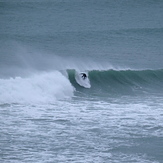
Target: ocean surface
<point>49,114</point>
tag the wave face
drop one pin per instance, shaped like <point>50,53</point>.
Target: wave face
<point>51,86</point>
<point>113,82</point>
<point>39,88</point>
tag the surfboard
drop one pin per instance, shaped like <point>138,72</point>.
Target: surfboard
<point>81,81</point>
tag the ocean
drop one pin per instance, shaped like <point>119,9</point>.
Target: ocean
<point>49,113</point>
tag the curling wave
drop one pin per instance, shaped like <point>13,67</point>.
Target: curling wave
<point>121,81</point>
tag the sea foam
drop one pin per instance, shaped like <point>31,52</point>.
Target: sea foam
<point>38,88</point>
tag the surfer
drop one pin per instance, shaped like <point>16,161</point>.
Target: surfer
<point>83,75</point>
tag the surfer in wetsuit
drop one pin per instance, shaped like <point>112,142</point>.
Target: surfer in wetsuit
<point>83,75</point>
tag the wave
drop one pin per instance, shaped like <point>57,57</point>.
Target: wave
<point>121,81</point>
<point>48,87</point>
<point>39,88</point>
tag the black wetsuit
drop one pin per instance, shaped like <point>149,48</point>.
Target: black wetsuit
<point>84,75</point>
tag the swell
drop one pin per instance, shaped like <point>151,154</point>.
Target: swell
<point>121,81</point>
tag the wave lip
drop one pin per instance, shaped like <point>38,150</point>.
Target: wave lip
<point>40,88</point>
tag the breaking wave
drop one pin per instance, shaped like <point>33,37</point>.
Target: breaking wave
<point>48,87</point>
<point>39,88</point>
<point>121,81</point>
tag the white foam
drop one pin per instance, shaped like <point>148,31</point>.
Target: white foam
<point>39,88</point>
<point>84,83</point>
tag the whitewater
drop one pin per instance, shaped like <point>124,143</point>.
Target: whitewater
<point>49,114</point>
<point>40,88</point>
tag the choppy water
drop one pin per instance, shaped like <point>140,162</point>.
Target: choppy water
<point>48,113</point>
